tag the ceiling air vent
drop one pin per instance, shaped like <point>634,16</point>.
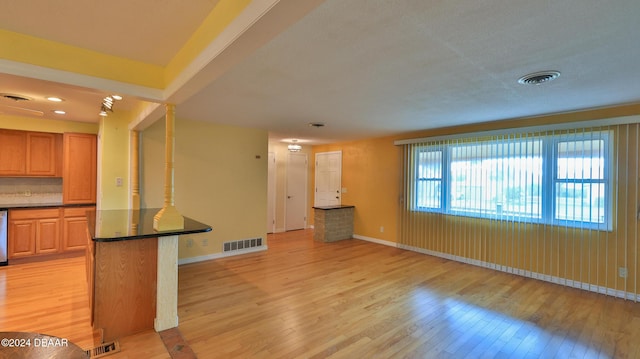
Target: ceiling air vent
<point>538,78</point>
<point>14,97</point>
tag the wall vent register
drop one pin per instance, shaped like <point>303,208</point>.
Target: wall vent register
<point>242,244</point>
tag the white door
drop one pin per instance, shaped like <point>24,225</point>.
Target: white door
<point>271,193</point>
<point>328,179</point>
<point>296,192</point>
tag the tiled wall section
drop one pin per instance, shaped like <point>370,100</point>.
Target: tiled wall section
<point>14,190</point>
<point>333,225</point>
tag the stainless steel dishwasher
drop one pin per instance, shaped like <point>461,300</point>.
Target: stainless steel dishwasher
<point>4,260</point>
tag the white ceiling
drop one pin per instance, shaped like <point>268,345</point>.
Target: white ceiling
<point>80,104</point>
<point>376,67</point>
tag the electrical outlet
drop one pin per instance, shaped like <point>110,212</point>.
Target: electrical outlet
<point>622,272</point>
<point>118,181</point>
<point>381,229</point>
<point>205,242</point>
<point>189,243</point>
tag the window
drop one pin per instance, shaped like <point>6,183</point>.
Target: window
<point>580,183</point>
<point>429,182</point>
<point>544,178</point>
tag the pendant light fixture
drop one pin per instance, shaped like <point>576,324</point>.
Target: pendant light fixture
<point>294,146</point>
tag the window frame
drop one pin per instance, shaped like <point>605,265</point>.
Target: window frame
<point>607,179</point>
<point>549,155</point>
<point>418,179</point>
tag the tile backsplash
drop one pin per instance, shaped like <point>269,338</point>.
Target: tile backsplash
<point>16,190</point>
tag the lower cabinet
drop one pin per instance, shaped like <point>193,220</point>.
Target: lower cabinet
<point>33,232</point>
<point>22,238</point>
<point>45,231</point>
<point>74,236</point>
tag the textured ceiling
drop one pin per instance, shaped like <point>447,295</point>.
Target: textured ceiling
<point>376,67</point>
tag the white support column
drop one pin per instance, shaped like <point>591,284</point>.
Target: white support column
<point>135,169</point>
<point>168,217</point>
<point>167,284</point>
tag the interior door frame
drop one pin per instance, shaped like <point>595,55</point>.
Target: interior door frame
<point>306,189</point>
<point>272,179</point>
<point>315,200</point>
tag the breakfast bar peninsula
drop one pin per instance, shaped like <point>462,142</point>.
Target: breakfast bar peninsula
<point>125,273</point>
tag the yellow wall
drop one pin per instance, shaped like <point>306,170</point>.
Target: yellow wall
<point>372,175</point>
<point>218,181</point>
<point>46,125</point>
<point>113,161</point>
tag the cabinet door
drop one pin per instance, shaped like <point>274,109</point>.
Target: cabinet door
<point>75,233</point>
<point>13,152</point>
<point>48,236</point>
<point>41,154</point>
<point>22,238</point>
<point>79,168</point>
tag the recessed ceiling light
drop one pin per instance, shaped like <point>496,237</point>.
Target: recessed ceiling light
<point>538,78</point>
<point>54,99</point>
<point>59,112</point>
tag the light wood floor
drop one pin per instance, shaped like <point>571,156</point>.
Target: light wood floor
<point>349,299</point>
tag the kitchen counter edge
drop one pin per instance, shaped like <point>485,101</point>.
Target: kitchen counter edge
<point>44,205</point>
<point>146,227</point>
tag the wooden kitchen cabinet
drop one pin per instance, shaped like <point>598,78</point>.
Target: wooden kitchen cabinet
<point>13,153</point>
<point>44,152</point>
<point>74,228</point>
<point>29,154</point>
<point>79,168</point>
<point>22,238</point>
<point>34,232</point>
<point>47,235</point>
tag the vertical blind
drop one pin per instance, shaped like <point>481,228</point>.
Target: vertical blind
<point>557,205</point>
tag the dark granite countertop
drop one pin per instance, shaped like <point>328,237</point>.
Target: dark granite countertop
<point>121,225</point>
<point>334,207</point>
<point>42,205</point>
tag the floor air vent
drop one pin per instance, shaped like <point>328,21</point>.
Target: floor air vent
<point>104,350</point>
<point>242,244</point>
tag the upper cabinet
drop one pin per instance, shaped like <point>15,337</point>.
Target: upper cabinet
<point>79,168</point>
<point>24,153</point>
<point>13,153</point>
<point>43,154</point>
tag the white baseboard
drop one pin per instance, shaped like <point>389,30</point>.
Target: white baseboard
<point>209,257</point>
<point>376,240</point>
<point>521,272</point>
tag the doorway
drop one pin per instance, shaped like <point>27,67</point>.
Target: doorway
<point>296,192</point>
<point>328,179</point>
